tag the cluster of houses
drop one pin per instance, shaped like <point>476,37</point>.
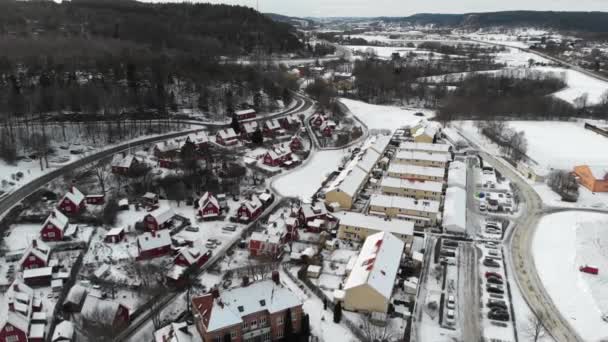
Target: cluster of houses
<point>270,129</point>
<point>323,125</point>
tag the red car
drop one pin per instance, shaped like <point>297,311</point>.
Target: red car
<point>493,274</point>
<point>589,269</point>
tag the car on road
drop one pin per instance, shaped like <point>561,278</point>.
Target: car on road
<point>490,263</point>
<point>494,288</point>
<point>493,274</point>
<point>498,316</point>
<point>450,317</point>
<point>451,302</point>
<point>483,206</point>
<point>494,280</point>
<point>497,305</point>
<point>497,296</point>
<point>450,243</point>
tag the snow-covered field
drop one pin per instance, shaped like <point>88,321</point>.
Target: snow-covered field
<point>514,57</point>
<point>578,84</point>
<point>306,180</point>
<point>562,243</point>
<point>384,117</point>
<point>586,199</point>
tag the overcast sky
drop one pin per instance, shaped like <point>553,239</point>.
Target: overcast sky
<point>366,8</point>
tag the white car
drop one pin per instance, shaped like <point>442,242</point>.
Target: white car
<point>451,302</point>
<point>483,206</point>
<point>450,317</point>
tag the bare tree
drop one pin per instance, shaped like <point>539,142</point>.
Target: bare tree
<point>100,325</point>
<point>102,172</point>
<point>374,333</point>
<point>534,328</point>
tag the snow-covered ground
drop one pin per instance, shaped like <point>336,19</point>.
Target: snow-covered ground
<point>586,199</point>
<point>514,57</point>
<point>384,117</point>
<point>562,243</point>
<point>578,84</point>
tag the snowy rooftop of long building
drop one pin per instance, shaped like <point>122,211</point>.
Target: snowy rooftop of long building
<point>416,170</point>
<point>414,146</point>
<point>393,182</point>
<point>354,219</point>
<point>404,203</point>
<point>455,209</point>
<point>419,155</point>
<point>457,174</point>
<point>377,264</point>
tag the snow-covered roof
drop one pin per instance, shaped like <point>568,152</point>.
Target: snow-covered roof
<point>369,160</point>
<point>167,146</point>
<point>377,264</point>
<point>425,147</point>
<point>94,304</point>
<point>426,156</point>
<point>208,198</point>
<point>266,237</point>
<point>123,162</point>
<point>244,112</point>
<point>351,183</point>
<point>253,204</point>
<point>37,272</point>
<point>455,210</point>
<point>57,219</point>
<point>36,331</point>
<point>147,241</point>
<point>233,304</point>
<point>64,331</point>
<point>399,183</point>
<point>162,214</point>
<point>311,211</point>
<point>22,297</point>
<point>174,332</point>
<point>74,195</point>
<point>192,254</point>
<point>76,294</point>
<point>250,127</point>
<point>37,248</point>
<point>430,129</point>
<point>150,196</point>
<point>328,124</point>
<point>415,170</point>
<point>115,231</point>
<point>227,133</point>
<point>272,124</point>
<point>371,222</point>
<point>457,174</point>
<point>198,138</point>
<point>381,143</point>
<point>278,152</point>
<point>176,271</point>
<point>407,203</point>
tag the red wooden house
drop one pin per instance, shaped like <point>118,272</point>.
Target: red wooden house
<point>150,199</point>
<point>95,199</point>
<point>317,120</point>
<point>328,128</point>
<point>16,323</point>
<point>54,227</point>
<point>248,129</point>
<point>115,235</point>
<point>226,137</point>
<point>123,165</point>
<point>73,202</point>
<point>245,114</point>
<point>115,315</point>
<point>159,218</point>
<point>189,256</point>
<point>153,244</point>
<point>208,207</point>
<point>36,255</point>
<point>277,156</point>
<point>271,128</point>
<point>291,227</point>
<point>290,121</point>
<point>167,150</point>
<point>309,213</point>
<point>270,242</point>
<point>41,276</point>
<point>296,144</point>
<point>250,209</point>
<point>199,139</point>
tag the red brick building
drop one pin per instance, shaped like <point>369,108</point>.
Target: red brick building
<point>73,202</point>
<point>36,255</point>
<point>16,323</point>
<point>261,309</point>
<point>154,244</point>
<point>208,207</point>
<point>159,218</point>
<point>54,227</point>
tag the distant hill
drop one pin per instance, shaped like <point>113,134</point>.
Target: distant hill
<point>294,21</point>
<point>183,27</point>
<point>593,22</point>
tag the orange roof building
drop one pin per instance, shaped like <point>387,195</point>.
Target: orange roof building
<point>593,177</point>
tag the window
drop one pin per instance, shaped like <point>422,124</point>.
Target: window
<point>8,328</point>
<point>217,339</point>
<point>67,208</point>
<point>32,258</point>
<point>294,315</point>
<point>51,234</point>
<point>233,333</point>
<point>280,332</point>
<point>263,321</point>
<point>12,338</point>
<point>246,326</point>
<point>279,320</point>
<point>267,337</point>
<point>253,324</point>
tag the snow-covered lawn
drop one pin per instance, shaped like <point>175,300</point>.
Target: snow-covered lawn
<point>562,243</point>
<point>384,117</point>
<point>513,57</point>
<point>306,180</point>
<point>586,199</point>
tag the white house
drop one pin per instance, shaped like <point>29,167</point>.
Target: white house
<point>455,211</point>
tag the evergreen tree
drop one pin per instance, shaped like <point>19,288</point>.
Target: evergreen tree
<point>305,330</point>
<point>324,303</point>
<point>257,137</point>
<point>235,124</point>
<point>286,96</point>
<point>337,312</point>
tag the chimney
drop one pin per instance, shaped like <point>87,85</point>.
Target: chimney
<point>35,243</point>
<point>215,292</point>
<point>276,278</point>
<point>16,287</point>
<point>53,213</point>
<point>245,281</point>
<point>11,306</point>
<point>154,233</point>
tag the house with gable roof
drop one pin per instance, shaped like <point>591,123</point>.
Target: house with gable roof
<point>153,244</point>
<point>73,202</point>
<point>36,255</point>
<point>208,207</point>
<point>54,227</point>
<point>16,320</point>
<point>159,218</point>
<point>258,309</point>
<point>226,137</point>
<point>369,286</point>
<point>250,209</point>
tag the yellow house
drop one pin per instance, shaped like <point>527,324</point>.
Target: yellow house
<point>358,227</point>
<point>345,189</point>
<point>370,284</point>
<point>408,171</point>
<point>423,213</point>
<point>421,158</point>
<point>426,134</point>
<point>418,189</point>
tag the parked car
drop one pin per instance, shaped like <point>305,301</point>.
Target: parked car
<point>451,302</point>
<point>498,316</point>
<point>483,206</point>
<point>230,228</point>
<point>192,229</point>
<point>493,274</point>
<point>450,243</point>
<point>490,263</point>
<point>496,296</point>
<point>497,305</point>
<point>450,317</point>
<point>494,280</point>
<point>493,288</point>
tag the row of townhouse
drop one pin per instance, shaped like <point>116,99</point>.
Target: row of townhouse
<point>423,213</point>
<point>418,189</point>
